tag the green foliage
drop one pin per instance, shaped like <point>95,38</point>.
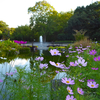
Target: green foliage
<point>22,33</point>
<point>8,47</point>
<point>3,26</point>
<point>86,18</point>
<point>79,35</point>
<point>24,50</point>
<point>48,22</point>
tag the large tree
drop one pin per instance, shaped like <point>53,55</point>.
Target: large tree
<point>87,18</point>
<point>40,13</point>
<point>4,30</point>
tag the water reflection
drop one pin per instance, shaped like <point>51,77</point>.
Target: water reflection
<point>19,62</point>
<point>41,51</point>
<point>22,62</point>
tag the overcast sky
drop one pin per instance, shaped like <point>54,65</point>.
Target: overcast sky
<point>15,12</point>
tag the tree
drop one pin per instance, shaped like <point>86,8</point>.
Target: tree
<point>3,26</point>
<point>4,30</point>
<point>22,33</point>
<point>41,11</point>
<point>86,18</point>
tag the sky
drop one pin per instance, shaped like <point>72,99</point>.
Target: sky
<point>15,12</point>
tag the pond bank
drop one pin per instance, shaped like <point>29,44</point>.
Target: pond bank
<point>45,45</point>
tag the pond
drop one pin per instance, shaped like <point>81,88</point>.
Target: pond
<point>27,61</point>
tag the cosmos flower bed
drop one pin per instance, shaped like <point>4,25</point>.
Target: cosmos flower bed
<point>82,80</point>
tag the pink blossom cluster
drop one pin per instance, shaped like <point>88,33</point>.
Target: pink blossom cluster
<point>20,42</point>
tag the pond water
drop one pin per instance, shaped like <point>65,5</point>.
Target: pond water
<point>22,61</point>
<point>7,67</point>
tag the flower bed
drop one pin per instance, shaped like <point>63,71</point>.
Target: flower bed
<point>82,66</point>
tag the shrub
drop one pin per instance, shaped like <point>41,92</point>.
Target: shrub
<point>85,42</point>
<point>79,35</point>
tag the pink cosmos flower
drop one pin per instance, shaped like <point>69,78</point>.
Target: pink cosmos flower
<point>70,47</point>
<point>69,90</point>
<point>39,58</point>
<point>95,68</point>
<point>79,57</point>
<point>73,64</point>
<point>97,58</point>
<point>42,73</point>
<point>43,66</point>
<point>57,71</point>
<point>92,52</point>
<point>68,81</point>
<point>80,91</point>
<point>63,65</point>
<point>80,47</point>
<point>90,80</point>
<point>81,62</point>
<point>11,73</point>
<point>67,55</point>
<point>76,47</point>
<point>84,48</point>
<point>54,52</point>
<point>88,46</point>
<point>63,70</point>
<point>68,97</point>
<point>1,80</point>
<point>81,80</point>
<point>59,65</point>
<point>92,84</point>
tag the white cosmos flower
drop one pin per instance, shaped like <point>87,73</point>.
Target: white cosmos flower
<point>80,62</point>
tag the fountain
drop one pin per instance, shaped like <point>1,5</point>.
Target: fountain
<point>41,39</point>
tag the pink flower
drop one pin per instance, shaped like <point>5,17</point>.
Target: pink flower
<point>59,65</point>
<point>39,58</point>
<point>95,68</point>
<point>57,71</point>
<point>42,73</point>
<point>70,47</point>
<point>69,90</point>
<point>79,57</point>
<point>67,81</point>
<point>68,97</point>
<point>90,80</point>
<point>76,47</point>
<point>73,64</point>
<point>81,80</point>
<point>80,91</point>
<point>54,52</point>
<point>20,42</point>
<point>84,48</point>
<point>1,80</point>
<point>92,84</point>
<point>92,52</point>
<point>67,55</point>
<point>97,58</point>
<point>88,46</point>
<point>11,73</point>
<point>43,66</point>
